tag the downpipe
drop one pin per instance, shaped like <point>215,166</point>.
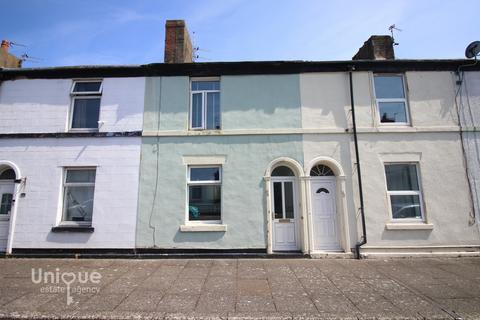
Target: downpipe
<point>359,173</point>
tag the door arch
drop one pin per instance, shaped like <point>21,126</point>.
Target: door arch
<point>9,176</point>
<point>328,219</point>
<point>284,192</point>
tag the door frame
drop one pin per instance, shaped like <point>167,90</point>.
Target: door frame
<point>19,184</point>
<point>338,231</point>
<point>340,202</point>
<point>295,209</point>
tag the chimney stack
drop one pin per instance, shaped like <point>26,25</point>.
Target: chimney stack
<point>178,47</point>
<point>376,48</point>
<point>5,46</point>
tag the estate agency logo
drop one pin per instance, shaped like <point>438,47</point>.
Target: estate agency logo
<point>61,282</point>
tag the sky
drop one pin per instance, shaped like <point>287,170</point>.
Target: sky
<point>112,32</point>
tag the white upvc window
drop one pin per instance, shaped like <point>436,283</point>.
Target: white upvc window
<point>78,194</point>
<point>204,188</point>
<point>404,191</point>
<point>390,95</point>
<point>205,104</point>
<point>85,108</point>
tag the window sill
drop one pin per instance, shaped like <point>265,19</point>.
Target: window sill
<point>409,226</point>
<point>81,229</point>
<point>203,228</point>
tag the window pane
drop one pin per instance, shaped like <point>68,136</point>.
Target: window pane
<point>79,204</point>
<point>80,176</point>
<point>6,203</point>
<point>392,112</point>
<point>401,177</point>
<point>213,110</point>
<point>405,206</point>
<point>277,200</point>
<point>207,206</point>
<point>87,86</point>
<point>85,113</point>
<point>389,87</point>
<point>288,200</point>
<point>282,171</point>
<point>205,85</point>
<point>8,174</point>
<point>197,110</point>
<point>205,174</point>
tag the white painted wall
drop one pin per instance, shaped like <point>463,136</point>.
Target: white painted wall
<point>41,161</point>
<point>431,98</point>
<point>40,105</point>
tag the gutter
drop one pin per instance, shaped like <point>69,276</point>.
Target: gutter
<point>359,173</point>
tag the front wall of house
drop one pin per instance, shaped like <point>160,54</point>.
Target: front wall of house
<point>447,203</point>
<point>243,195</point>
<point>43,106</point>
<point>41,162</point>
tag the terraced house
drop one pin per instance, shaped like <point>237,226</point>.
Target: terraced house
<point>322,158</point>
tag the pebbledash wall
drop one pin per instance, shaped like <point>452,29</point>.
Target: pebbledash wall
<point>38,109</point>
<point>306,117</point>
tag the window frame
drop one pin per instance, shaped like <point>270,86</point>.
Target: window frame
<point>419,193</point>
<point>404,100</point>
<point>84,95</point>
<point>204,102</point>
<point>203,183</point>
<point>66,184</point>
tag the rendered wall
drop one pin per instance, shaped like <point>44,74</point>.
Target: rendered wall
<point>40,106</point>
<point>243,196</point>
<point>41,162</point>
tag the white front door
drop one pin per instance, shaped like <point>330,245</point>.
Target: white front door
<point>284,204</point>
<point>6,196</point>
<point>324,214</point>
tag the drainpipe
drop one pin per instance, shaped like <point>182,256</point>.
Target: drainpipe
<point>359,173</point>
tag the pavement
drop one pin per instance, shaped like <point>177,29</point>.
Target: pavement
<point>437,288</point>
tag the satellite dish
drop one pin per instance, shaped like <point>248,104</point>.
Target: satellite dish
<point>473,49</point>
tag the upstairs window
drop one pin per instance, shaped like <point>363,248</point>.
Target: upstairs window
<point>403,189</point>
<point>204,194</point>
<point>391,101</point>
<point>85,105</point>
<point>205,105</point>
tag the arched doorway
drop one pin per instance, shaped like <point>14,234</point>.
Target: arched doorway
<point>7,196</point>
<point>284,195</point>
<point>328,217</point>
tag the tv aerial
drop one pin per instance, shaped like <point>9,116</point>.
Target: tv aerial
<point>391,28</point>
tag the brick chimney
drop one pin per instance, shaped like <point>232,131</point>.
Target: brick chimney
<point>5,46</point>
<point>8,60</point>
<point>178,47</point>
<point>376,48</point>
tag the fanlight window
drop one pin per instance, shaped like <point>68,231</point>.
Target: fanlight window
<point>321,170</point>
<point>8,174</point>
<point>282,171</point>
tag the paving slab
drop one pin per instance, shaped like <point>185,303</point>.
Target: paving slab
<point>437,288</point>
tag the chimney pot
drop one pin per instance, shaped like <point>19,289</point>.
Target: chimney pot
<point>178,46</point>
<point>376,48</point>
